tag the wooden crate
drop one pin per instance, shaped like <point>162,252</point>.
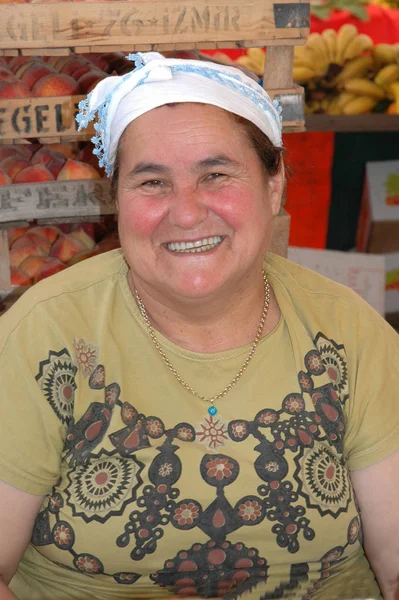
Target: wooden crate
<point>48,119</point>
<point>145,25</point>
<point>151,25</point>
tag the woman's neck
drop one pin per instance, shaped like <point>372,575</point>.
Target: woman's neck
<point>215,325</point>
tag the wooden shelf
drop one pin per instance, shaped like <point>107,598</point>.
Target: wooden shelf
<point>360,123</point>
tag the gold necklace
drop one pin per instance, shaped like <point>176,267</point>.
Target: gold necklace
<point>212,410</point>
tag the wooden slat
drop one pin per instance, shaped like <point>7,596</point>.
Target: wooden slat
<point>5,281</point>
<point>71,24</point>
<point>40,118</point>
<point>45,51</point>
<point>368,122</point>
<point>55,200</point>
<point>278,67</point>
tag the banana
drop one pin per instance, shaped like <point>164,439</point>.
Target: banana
<point>345,35</point>
<point>360,105</point>
<point>307,57</point>
<point>257,57</point>
<point>358,45</point>
<point>394,90</point>
<point>364,87</point>
<point>357,67</point>
<point>316,43</point>
<point>344,98</point>
<point>334,108</point>
<point>384,54</point>
<point>387,75</point>
<point>303,74</point>
<point>330,39</point>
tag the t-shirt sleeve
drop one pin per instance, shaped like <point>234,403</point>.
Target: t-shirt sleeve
<point>32,433</point>
<point>372,410</point>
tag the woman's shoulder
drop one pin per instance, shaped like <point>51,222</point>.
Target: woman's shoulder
<point>321,304</point>
<point>309,285</point>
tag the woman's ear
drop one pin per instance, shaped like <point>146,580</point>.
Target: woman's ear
<point>276,187</point>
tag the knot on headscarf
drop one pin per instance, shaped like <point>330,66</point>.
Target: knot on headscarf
<point>155,81</point>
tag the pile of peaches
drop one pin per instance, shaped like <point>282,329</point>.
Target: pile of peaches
<point>33,163</point>
<point>39,251</point>
<point>30,76</point>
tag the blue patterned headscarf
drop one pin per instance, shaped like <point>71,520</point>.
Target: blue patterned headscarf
<point>117,100</point>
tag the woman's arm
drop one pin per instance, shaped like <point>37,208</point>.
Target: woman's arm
<point>377,491</point>
<point>18,511</point>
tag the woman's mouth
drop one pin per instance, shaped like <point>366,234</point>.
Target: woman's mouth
<point>198,246</point>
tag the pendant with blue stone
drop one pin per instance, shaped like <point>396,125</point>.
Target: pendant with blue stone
<point>212,410</point>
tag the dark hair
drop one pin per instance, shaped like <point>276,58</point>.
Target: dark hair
<point>269,155</point>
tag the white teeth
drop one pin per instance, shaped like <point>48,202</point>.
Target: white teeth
<point>198,246</point>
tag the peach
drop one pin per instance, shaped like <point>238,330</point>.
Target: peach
<point>50,267</point>
<point>13,165</point>
<point>34,174</point>
<point>6,75</point>
<point>81,71</point>
<point>69,150</point>
<point>61,62</point>
<point>75,169</point>
<point>14,89</point>
<point>5,179</point>
<point>28,150</point>
<point>11,150</point>
<point>54,161</point>
<point>53,60</point>
<point>48,232</point>
<point>86,155</point>
<point>67,246</point>
<point>45,155</point>
<point>55,85</point>
<point>83,255</point>
<point>18,61</point>
<point>31,264</point>
<point>22,68</point>
<point>74,63</point>
<point>22,248</point>
<point>39,240</point>
<point>109,61</point>
<point>90,79</point>
<point>14,234</point>
<point>82,236</point>
<point>34,72</point>
<point>18,277</point>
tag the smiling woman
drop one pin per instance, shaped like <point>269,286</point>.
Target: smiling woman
<point>191,416</point>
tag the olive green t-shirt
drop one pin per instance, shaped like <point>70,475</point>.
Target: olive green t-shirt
<point>149,496</point>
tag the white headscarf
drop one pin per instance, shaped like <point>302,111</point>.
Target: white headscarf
<point>117,101</point>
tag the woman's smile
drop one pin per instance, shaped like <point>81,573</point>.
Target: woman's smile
<point>189,247</point>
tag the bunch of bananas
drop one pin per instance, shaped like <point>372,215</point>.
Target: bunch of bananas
<point>322,51</point>
<point>343,73</point>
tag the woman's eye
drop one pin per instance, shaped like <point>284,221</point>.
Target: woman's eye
<point>215,176</point>
<point>152,183</point>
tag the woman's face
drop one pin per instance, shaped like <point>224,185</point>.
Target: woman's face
<point>195,207</point>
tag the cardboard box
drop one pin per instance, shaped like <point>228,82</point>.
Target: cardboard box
<point>363,273</point>
<point>378,228</point>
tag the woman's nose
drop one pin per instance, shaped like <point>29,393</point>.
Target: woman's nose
<point>187,209</point>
